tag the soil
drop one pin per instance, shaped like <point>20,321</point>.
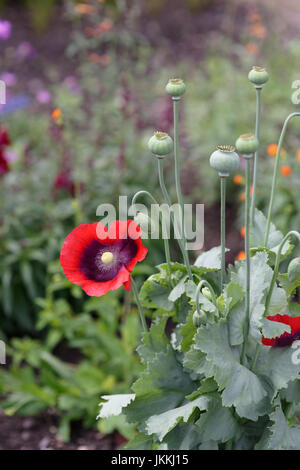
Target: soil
<point>39,433</point>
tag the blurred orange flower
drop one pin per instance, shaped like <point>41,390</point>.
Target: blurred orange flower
<point>255,17</point>
<point>84,9</point>
<point>272,150</point>
<point>251,190</point>
<point>105,60</point>
<point>242,197</point>
<point>298,155</point>
<point>238,179</point>
<point>258,30</point>
<point>241,255</point>
<point>105,25</point>
<point>252,48</point>
<point>243,231</point>
<point>56,114</point>
<point>286,170</point>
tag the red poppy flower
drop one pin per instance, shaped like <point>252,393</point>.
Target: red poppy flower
<point>4,137</point>
<point>100,260</point>
<point>4,168</point>
<point>286,339</point>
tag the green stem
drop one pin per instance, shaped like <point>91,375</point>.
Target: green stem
<point>177,172</point>
<point>137,298</point>
<point>275,174</point>
<point>223,200</point>
<point>255,169</point>
<point>247,251</point>
<point>276,267</point>
<point>202,283</point>
<point>168,201</point>
<point>166,241</point>
<point>270,292</point>
<point>140,193</point>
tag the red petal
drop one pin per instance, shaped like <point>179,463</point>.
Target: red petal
<point>293,322</point>
<point>96,289</point>
<point>127,284</point>
<point>72,249</point>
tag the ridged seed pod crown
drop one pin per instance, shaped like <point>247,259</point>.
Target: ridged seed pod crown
<point>258,75</point>
<point>160,144</point>
<point>246,144</point>
<point>175,87</point>
<point>224,159</point>
<point>294,269</point>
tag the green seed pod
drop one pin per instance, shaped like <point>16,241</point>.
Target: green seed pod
<point>247,144</point>
<point>199,318</point>
<point>144,221</point>
<point>294,269</point>
<point>206,293</point>
<point>160,144</point>
<point>258,75</point>
<point>175,87</point>
<point>224,159</point>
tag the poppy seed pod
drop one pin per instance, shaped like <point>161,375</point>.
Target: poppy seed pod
<point>199,318</point>
<point>258,75</point>
<point>175,87</point>
<point>294,269</point>
<point>247,144</point>
<point>160,144</point>
<point>224,159</point>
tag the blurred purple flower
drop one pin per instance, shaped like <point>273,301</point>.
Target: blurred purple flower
<point>9,79</point>
<point>5,29</point>
<point>12,156</point>
<point>72,84</point>
<point>24,50</point>
<point>43,96</point>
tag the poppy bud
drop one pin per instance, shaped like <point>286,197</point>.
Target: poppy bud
<point>160,144</point>
<point>144,221</point>
<point>294,269</point>
<point>206,293</point>
<point>247,144</point>
<point>258,75</point>
<point>224,159</point>
<point>199,318</point>
<point>175,87</point>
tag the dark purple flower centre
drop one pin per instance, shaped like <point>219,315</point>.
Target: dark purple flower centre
<point>94,269</point>
<point>287,340</point>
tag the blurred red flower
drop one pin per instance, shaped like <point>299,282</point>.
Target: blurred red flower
<point>4,142</point>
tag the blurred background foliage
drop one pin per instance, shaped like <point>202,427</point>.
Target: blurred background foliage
<point>85,90</point>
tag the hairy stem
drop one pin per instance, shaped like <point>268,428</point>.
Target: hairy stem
<point>255,169</point>
<point>137,298</point>
<point>275,174</point>
<point>223,200</point>
<point>177,174</point>
<point>168,201</point>
<point>247,251</point>
<point>166,241</point>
